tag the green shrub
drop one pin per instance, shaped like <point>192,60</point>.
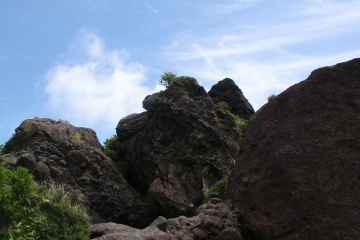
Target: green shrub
<point>239,122</point>
<point>167,78</point>
<point>32,211</point>
<point>111,149</point>
<point>184,81</point>
<point>66,217</point>
<point>1,149</point>
<point>217,190</point>
<point>224,105</point>
<point>178,87</point>
<point>271,98</point>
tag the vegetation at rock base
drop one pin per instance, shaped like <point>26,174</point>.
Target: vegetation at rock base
<point>32,211</point>
<point>111,150</point>
<point>271,98</point>
<point>167,78</point>
<point>240,122</point>
<point>217,190</point>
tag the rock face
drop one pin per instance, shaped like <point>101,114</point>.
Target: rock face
<point>59,152</point>
<point>179,148</point>
<point>212,222</point>
<point>227,91</point>
<point>298,174</point>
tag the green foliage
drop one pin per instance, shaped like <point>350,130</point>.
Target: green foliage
<point>1,149</point>
<point>32,211</point>
<point>271,98</point>
<point>217,190</point>
<point>167,78</point>
<point>111,149</point>
<point>239,122</point>
<point>66,216</point>
<point>184,81</point>
<point>224,105</point>
<point>178,87</point>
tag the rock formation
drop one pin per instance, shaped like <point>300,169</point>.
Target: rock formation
<point>179,148</point>
<point>57,151</point>
<point>298,174</point>
<point>227,91</point>
<point>214,221</point>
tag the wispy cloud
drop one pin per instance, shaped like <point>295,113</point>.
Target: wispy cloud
<point>99,90</point>
<point>149,6</point>
<point>266,57</point>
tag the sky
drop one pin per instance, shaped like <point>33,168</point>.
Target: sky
<point>92,62</point>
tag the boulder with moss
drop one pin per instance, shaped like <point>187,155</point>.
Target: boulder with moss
<point>57,151</point>
<point>180,147</point>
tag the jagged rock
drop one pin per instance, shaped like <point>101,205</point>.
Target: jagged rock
<point>212,222</point>
<point>59,152</point>
<point>298,174</point>
<point>188,144</point>
<point>227,91</point>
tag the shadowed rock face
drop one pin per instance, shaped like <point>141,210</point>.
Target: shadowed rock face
<point>57,151</point>
<point>179,148</point>
<point>227,91</point>
<point>298,174</point>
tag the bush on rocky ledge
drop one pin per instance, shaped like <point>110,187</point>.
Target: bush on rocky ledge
<point>32,211</point>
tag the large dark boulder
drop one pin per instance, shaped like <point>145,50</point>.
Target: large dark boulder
<point>59,152</point>
<point>298,174</point>
<point>227,91</point>
<point>187,145</point>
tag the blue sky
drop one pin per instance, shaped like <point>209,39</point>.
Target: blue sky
<point>92,62</point>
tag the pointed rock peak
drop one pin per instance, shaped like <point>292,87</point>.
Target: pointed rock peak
<point>227,91</point>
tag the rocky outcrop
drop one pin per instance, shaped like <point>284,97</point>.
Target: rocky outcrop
<point>179,148</point>
<point>59,152</point>
<point>227,91</point>
<point>214,221</point>
<point>298,174</point>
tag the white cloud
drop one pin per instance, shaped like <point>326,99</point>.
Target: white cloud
<point>266,57</point>
<point>101,89</point>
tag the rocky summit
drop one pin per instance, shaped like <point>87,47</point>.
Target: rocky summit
<point>298,173</point>
<point>179,147</point>
<point>293,174</point>
<point>58,152</point>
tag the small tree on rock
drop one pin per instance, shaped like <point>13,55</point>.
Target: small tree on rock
<point>167,78</point>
